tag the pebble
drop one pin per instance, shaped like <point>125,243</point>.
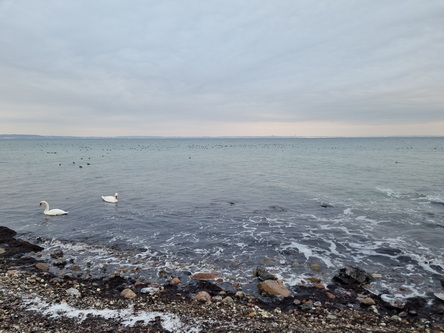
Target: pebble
<point>368,301</point>
<point>315,267</point>
<point>128,293</point>
<point>73,292</point>
<point>274,287</point>
<point>41,266</point>
<point>204,276</point>
<point>202,296</point>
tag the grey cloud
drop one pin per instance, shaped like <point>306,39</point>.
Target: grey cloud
<point>244,61</point>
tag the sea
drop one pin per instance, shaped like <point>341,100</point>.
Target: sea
<point>303,207</point>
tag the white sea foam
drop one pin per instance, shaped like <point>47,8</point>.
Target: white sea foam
<point>127,317</point>
<point>389,192</point>
<point>435,198</point>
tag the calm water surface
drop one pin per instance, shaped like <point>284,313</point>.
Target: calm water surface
<point>231,204</point>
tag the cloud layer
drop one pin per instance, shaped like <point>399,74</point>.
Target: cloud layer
<point>191,67</point>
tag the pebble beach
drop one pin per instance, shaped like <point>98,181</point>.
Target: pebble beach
<point>34,300</point>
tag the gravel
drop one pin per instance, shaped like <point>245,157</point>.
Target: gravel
<point>32,299</point>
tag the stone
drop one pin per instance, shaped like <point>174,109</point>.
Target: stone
<point>368,301</point>
<point>57,254</point>
<point>41,266</point>
<point>128,293</point>
<point>175,281</point>
<point>6,233</point>
<point>330,295</point>
<point>319,286</point>
<point>352,276</point>
<point>313,279</point>
<point>73,292</point>
<point>2,250</point>
<point>439,296</point>
<point>262,273</point>
<point>240,294</point>
<point>228,300</point>
<point>204,276</point>
<point>273,287</point>
<point>150,290</point>
<point>202,296</point>
<point>316,267</point>
<point>15,247</point>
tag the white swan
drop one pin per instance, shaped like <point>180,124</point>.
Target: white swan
<point>110,198</point>
<point>52,212</point>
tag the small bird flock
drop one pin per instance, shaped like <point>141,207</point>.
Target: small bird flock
<point>57,212</point>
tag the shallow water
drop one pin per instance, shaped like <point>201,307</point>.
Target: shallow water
<point>231,204</point>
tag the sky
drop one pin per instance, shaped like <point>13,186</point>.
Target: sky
<point>222,68</point>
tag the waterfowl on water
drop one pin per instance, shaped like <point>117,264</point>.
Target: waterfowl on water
<point>110,198</point>
<point>52,212</point>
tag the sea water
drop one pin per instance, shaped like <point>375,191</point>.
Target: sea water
<point>230,204</point>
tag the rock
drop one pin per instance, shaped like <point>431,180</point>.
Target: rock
<point>262,273</point>
<point>319,286</point>
<point>313,279</point>
<point>204,276</point>
<point>75,268</point>
<point>240,294</point>
<point>439,296</point>
<point>330,295</point>
<point>273,287</point>
<point>73,292</point>
<point>315,267</point>
<point>2,250</point>
<point>228,300</point>
<point>6,233</point>
<point>128,293</point>
<point>150,290</point>
<point>352,276</point>
<point>202,296</point>
<point>368,301</point>
<point>57,254</point>
<point>175,281</point>
<point>41,266</point>
<point>15,247</point>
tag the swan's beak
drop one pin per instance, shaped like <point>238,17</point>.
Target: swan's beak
<point>40,204</point>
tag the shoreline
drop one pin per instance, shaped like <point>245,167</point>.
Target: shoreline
<point>33,298</point>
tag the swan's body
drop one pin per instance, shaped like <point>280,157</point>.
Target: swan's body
<point>110,198</point>
<point>52,212</point>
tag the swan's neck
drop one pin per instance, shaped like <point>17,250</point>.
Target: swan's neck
<point>46,206</point>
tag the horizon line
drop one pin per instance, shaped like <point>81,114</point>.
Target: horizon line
<point>6,136</point>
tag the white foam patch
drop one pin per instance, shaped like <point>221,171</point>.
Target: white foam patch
<point>436,198</point>
<point>308,253</point>
<point>389,192</point>
<point>127,317</point>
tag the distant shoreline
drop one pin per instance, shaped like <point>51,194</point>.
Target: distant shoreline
<point>36,137</point>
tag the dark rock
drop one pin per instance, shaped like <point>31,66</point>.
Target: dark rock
<point>350,276</point>
<point>14,247</point>
<point>57,254</point>
<point>263,274</point>
<point>6,234</point>
<point>273,287</point>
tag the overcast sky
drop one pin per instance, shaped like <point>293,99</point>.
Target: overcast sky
<point>222,68</point>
